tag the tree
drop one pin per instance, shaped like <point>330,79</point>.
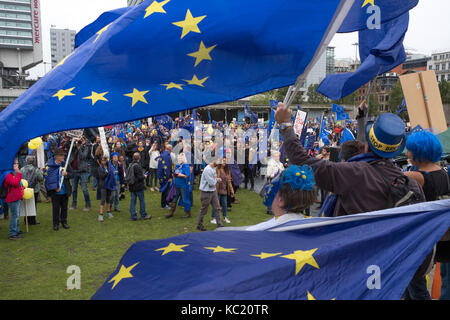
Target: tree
<point>374,106</point>
<point>444,88</point>
<point>395,97</point>
<point>348,100</point>
<point>314,97</point>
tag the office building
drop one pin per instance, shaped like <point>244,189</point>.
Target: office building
<point>134,2</point>
<point>440,63</point>
<point>20,46</point>
<point>62,44</point>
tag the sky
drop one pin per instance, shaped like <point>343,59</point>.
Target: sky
<point>429,29</point>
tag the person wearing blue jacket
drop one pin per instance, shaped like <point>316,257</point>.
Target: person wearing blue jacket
<point>59,193</point>
<point>106,184</point>
<point>182,177</point>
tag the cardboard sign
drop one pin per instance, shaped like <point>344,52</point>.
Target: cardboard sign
<point>30,207</point>
<point>423,101</point>
<point>104,144</point>
<point>75,133</point>
<point>300,121</point>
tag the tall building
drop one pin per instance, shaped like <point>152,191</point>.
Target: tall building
<point>62,44</point>
<point>20,46</point>
<point>134,2</point>
<point>440,63</point>
<point>413,62</point>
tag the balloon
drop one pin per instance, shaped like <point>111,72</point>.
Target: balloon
<point>28,193</point>
<point>32,146</point>
<point>24,183</point>
<point>210,130</point>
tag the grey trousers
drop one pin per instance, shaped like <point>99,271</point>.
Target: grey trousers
<point>207,198</point>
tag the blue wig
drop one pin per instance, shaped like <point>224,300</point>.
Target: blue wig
<point>424,146</point>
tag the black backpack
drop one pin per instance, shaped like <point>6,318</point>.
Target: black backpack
<point>400,191</point>
<point>3,191</point>
<point>29,174</point>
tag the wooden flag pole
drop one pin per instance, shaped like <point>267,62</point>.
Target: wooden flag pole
<point>26,215</point>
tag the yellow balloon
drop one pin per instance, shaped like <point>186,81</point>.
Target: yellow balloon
<point>37,142</point>
<point>210,130</point>
<point>28,193</point>
<point>24,183</point>
<point>32,146</point>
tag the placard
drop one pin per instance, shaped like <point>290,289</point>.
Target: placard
<point>300,121</point>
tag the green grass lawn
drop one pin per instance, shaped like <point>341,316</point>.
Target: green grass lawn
<point>35,267</point>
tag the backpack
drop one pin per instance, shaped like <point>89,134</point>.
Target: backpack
<point>130,178</point>
<point>400,191</point>
<point>3,191</point>
<point>29,174</point>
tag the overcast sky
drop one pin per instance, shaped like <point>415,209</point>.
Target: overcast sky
<point>429,28</point>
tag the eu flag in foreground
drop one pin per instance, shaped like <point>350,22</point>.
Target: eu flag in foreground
<point>166,56</point>
<point>364,256</point>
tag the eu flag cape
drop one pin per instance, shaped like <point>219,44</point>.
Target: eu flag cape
<point>370,256</point>
<point>166,56</point>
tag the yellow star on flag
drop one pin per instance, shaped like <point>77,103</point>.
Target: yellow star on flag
<point>63,60</point>
<point>190,24</point>
<point>172,247</point>
<point>173,85</point>
<point>203,53</point>
<point>122,274</point>
<point>61,94</point>
<point>137,96</point>
<point>264,255</point>
<point>96,97</point>
<point>220,249</point>
<point>366,2</point>
<point>310,296</point>
<point>100,32</point>
<point>155,7</point>
<point>301,258</point>
<point>196,81</point>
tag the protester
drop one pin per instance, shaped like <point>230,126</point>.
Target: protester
<point>79,166</point>
<point>181,174</point>
<point>14,198</point>
<point>153,166</point>
<point>208,195</point>
<point>223,188</point>
<point>107,184</point>
<point>164,174</point>
<point>361,185</point>
<point>424,151</point>
<point>119,180</point>
<point>325,155</point>
<point>34,177</point>
<point>274,168</point>
<point>94,162</point>
<point>58,192</point>
<point>136,183</point>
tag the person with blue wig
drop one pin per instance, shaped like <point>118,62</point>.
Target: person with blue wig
<point>289,194</point>
<point>424,150</point>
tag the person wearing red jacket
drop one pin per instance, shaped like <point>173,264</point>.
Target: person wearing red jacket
<point>13,199</point>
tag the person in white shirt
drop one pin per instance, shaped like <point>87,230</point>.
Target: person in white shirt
<point>288,195</point>
<point>153,165</point>
<point>208,194</point>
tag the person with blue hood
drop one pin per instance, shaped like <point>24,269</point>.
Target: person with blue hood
<point>182,178</point>
<point>59,192</point>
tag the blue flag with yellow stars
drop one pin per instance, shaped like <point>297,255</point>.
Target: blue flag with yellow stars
<point>380,47</point>
<point>368,256</point>
<point>165,56</point>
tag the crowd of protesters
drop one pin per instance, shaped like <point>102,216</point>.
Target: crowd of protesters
<point>140,156</point>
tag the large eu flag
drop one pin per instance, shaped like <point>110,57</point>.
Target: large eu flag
<point>369,256</point>
<point>165,56</point>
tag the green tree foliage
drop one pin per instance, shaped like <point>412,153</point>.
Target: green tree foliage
<point>314,97</point>
<point>444,88</point>
<point>374,106</point>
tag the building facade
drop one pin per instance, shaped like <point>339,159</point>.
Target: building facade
<point>440,63</point>
<point>62,44</point>
<point>20,46</point>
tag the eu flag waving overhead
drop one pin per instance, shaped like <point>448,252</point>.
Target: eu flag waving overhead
<point>369,256</point>
<point>380,45</point>
<point>164,56</point>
